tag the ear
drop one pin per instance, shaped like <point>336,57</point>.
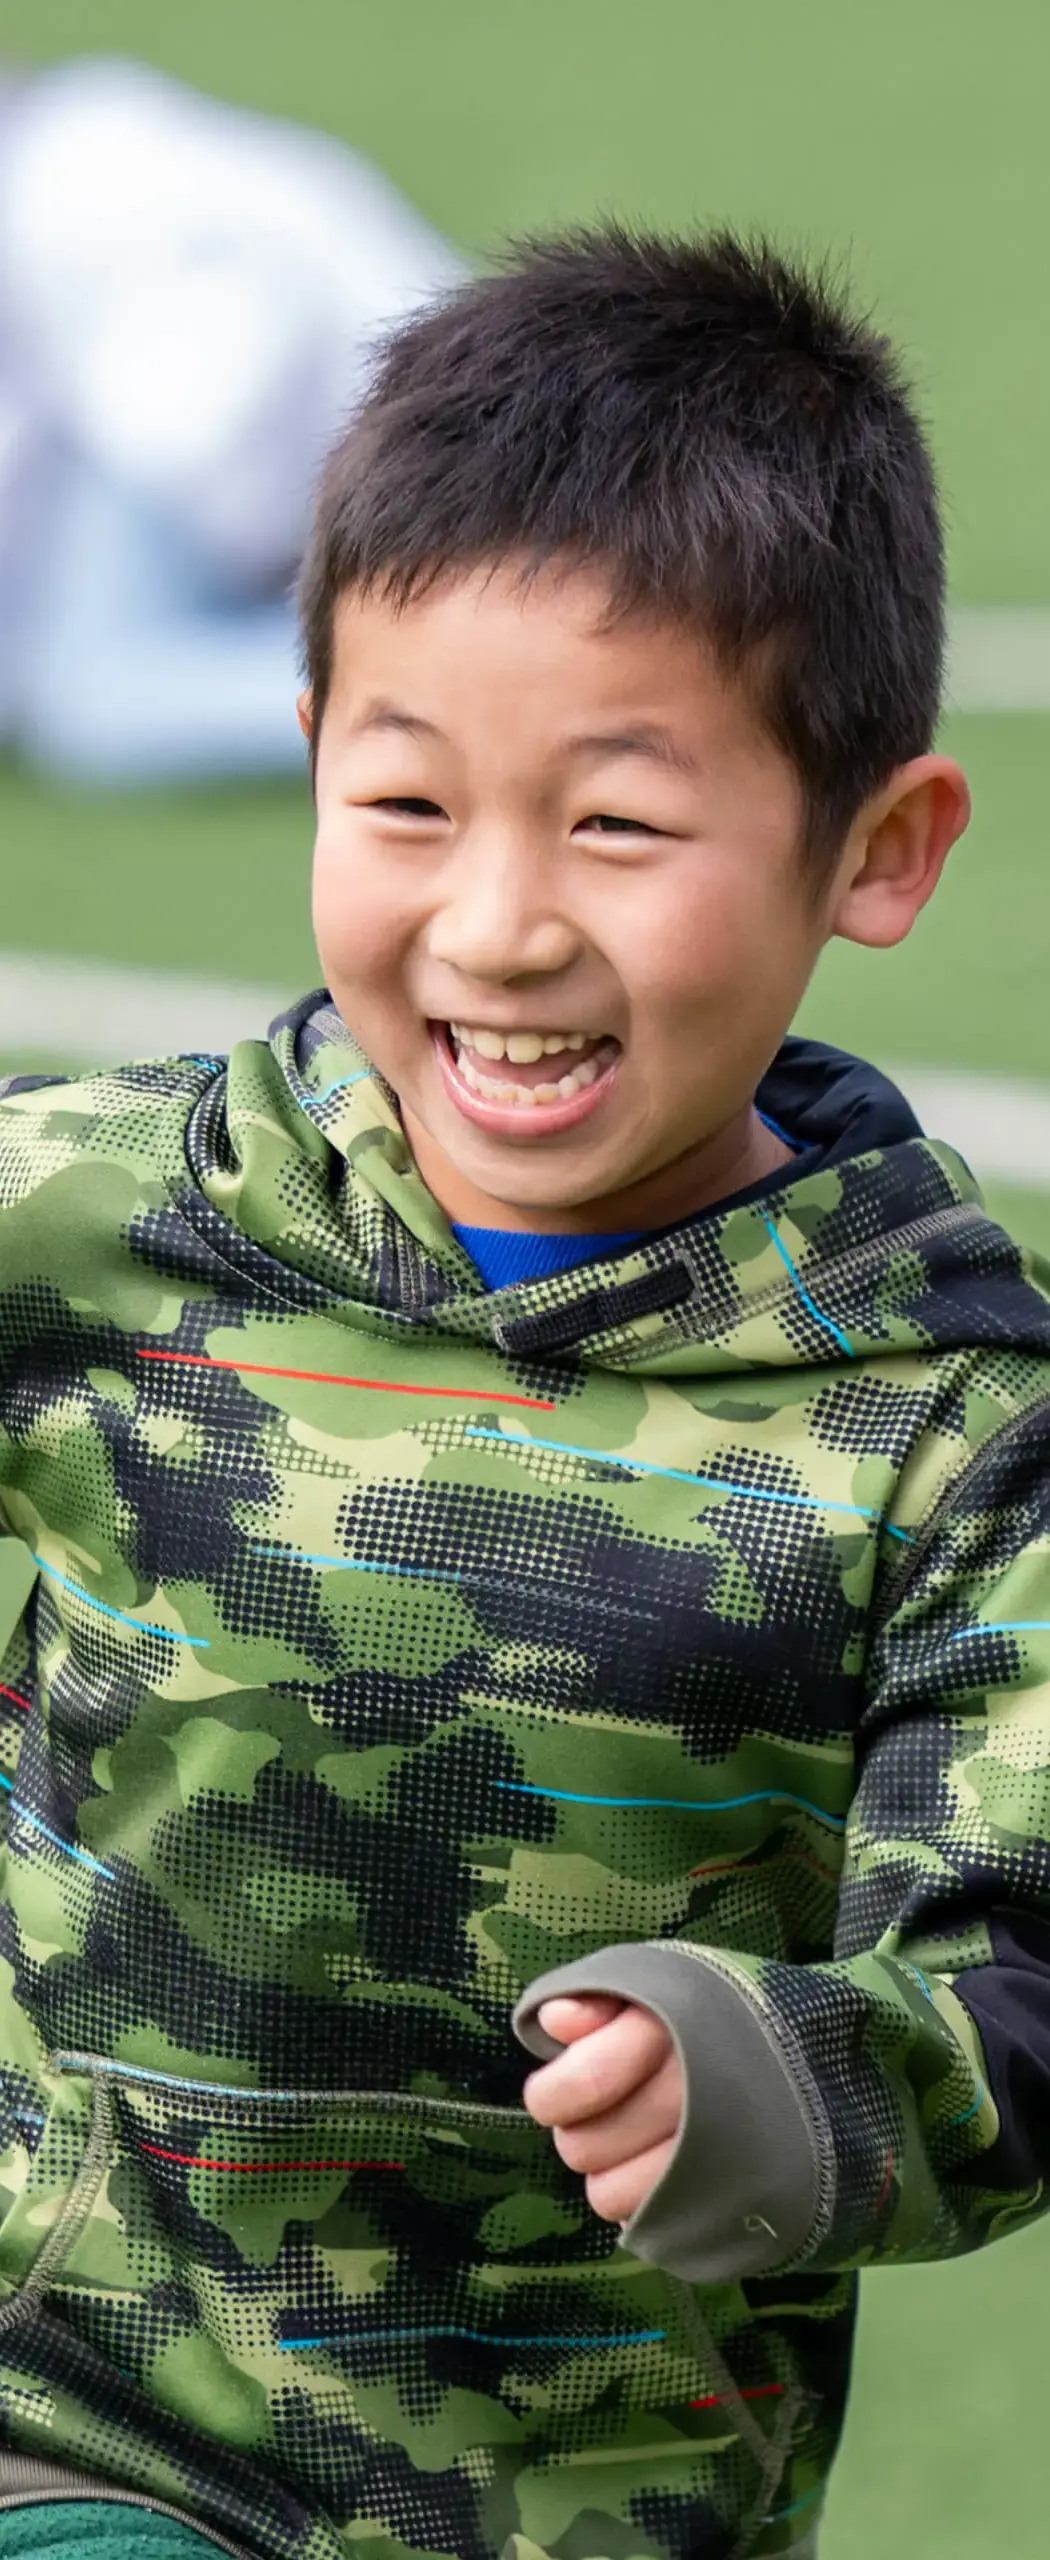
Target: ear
<point>896,851</point>
<point>305,709</point>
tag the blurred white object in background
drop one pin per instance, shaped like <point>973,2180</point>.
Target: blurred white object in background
<point>188,298</point>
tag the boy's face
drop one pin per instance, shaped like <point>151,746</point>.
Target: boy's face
<point>533,822</point>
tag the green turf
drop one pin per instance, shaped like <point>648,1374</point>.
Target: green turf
<point>911,140</point>
<point>214,881</point>
<point>911,136</point>
<point>944,2457</point>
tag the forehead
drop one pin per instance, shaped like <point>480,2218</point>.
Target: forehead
<point>534,653</point>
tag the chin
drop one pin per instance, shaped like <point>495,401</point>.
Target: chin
<point>544,1201</point>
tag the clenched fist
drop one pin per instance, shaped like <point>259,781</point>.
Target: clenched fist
<point>613,2099</point>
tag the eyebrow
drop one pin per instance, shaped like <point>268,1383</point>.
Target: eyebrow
<point>647,740</point>
<point>389,715</point>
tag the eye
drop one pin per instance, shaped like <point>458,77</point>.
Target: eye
<point>603,823</point>
<point>409,807</point>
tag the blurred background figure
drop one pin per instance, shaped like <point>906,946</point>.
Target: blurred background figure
<point>188,296</point>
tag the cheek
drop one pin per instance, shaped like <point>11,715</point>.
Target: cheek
<point>734,946</point>
<point>355,923</point>
<point>691,954</point>
<point>331,889</point>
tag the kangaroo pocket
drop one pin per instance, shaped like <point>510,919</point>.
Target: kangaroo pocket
<point>52,2153</point>
<point>387,2293</point>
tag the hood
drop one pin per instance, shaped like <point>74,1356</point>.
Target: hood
<point>882,1246</point>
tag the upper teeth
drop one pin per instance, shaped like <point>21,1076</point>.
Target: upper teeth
<point>521,1047</point>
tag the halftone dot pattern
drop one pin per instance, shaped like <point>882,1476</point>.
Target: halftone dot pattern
<point>373,1801</point>
<point>888,1412</point>
<point>254,2505</point>
<point>799,1915</point>
<point>99,1643</point>
<point>197,1242</point>
<point>496,1533</point>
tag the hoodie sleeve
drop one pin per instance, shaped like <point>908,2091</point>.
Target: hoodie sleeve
<point>18,1567</point>
<point>893,2103</point>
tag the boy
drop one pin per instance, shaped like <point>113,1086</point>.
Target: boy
<point>536,1490</point>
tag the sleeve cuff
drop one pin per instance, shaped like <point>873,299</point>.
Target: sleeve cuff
<point>750,2184</point>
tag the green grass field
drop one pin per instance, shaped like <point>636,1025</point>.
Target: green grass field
<point>910,142</point>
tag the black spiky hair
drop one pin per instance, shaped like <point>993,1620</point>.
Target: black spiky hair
<point>709,423</point>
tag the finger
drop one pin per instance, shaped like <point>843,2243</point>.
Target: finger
<point>615,2194</point>
<point>600,2070</point>
<point>568,2018</point>
<point>651,2114</point>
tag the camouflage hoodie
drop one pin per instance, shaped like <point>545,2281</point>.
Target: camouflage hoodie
<point>680,1623</point>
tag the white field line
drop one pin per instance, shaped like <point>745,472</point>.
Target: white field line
<point>999,658</point>
<point>90,1012</point>
<point>77,1011</point>
<point>1001,1124</point>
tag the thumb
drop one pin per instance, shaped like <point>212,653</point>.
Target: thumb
<point>576,2015</point>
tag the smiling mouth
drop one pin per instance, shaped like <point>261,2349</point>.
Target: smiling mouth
<point>533,1081</point>
<point>529,1067</point>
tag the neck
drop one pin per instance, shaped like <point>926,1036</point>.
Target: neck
<point>743,1153</point>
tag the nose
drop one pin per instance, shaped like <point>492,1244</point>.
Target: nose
<point>500,917</point>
